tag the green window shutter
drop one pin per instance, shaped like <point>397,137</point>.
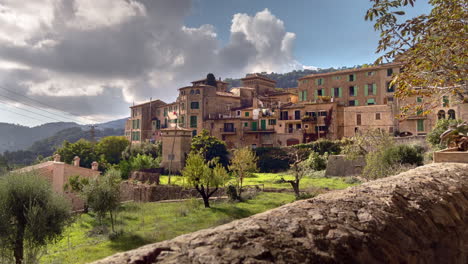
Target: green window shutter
<point>356,90</point>
<point>340,93</point>
<point>301,96</point>
<point>349,79</point>
<point>370,101</point>
<point>323,92</point>
<point>246,124</point>
<point>316,95</point>
<point>419,99</point>
<point>374,89</point>
<point>305,95</point>
<point>316,81</point>
<point>356,102</point>
<point>193,121</point>
<point>366,90</point>
<point>420,125</point>
<point>247,114</point>
<point>332,94</point>
<point>354,76</point>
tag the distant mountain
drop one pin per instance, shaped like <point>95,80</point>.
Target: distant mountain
<point>116,124</point>
<point>47,146</point>
<point>16,137</point>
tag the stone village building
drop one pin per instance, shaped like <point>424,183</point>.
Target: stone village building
<point>258,114</point>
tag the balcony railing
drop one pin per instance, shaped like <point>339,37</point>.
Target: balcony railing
<point>227,130</point>
<point>258,130</point>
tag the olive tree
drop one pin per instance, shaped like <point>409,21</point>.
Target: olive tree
<point>102,195</point>
<point>243,164</point>
<point>204,179</point>
<point>31,215</point>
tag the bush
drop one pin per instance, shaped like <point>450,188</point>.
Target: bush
<point>272,159</point>
<point>145,148</point>
<point>144,162</point>
<point>433,137</point>
<point>404,154</point>
<point>231,192</point>
<point>323,146</point>
<point>317,162</point>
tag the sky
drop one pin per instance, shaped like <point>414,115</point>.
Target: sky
<point>87,61</point>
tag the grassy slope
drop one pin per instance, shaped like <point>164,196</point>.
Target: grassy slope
<point>151,222</point>
<point>269,179</point>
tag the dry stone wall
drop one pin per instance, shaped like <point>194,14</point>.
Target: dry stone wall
<point>420,216</point>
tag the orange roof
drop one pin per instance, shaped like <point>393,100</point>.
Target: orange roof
<point>383,66</point>
<point>256,75</point>
<point>155,102</point>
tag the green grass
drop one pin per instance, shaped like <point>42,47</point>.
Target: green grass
<point>144,223</point>
<point>270,181</point>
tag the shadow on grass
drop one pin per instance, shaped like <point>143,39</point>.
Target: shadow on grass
<point>128,241</point>
<point>233,212</point>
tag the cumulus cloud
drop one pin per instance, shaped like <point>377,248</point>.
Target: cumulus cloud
<point>94,58</point>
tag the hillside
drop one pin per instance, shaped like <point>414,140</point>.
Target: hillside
<point>46,147</point>
<point>289,79</point>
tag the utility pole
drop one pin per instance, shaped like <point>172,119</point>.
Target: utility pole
<point>92,132</point>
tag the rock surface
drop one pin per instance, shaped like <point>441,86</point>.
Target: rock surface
<point>420,216</point>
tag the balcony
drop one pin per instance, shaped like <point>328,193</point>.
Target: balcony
<point>311,119</point>
<point>226,130</point>
<point>416,117</point>
<point>258,130</point>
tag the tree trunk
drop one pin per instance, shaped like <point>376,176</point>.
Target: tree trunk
<point>19,245</point>
<point>295,186</point>
<point>206,198</point>
<point>112,221</point>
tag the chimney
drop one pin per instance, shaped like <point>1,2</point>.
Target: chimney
<point>57,158</point>
<point>94,165</point>
<point>76,161</point>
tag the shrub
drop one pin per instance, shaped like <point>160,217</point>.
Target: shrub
<point>404,154</point>
<point>272,159</point>
<point>144,162</point>
<point>145,148</point>
<point>433,137</point>
<point>323,146</point>
<point>231,192</point>
<point>317,162</point>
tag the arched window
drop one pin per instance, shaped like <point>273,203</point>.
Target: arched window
<point>192,91</point>
<point>441,114</point>
<point>451,114</point>
<point>197,91</point>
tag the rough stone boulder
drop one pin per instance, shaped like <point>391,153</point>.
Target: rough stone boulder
<point>420,216</point>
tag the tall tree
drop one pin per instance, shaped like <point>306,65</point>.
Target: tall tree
<point>298,168</point>
<point>81,148</point>
<point>210,147</point>
<point>204,179</point>
<point>30,212</point>
<point>111,148</point>
<point>243,164</point>
<point>431,47</point>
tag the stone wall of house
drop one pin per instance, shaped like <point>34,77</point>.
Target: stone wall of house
<point>420,216</point>
<point>139,192</point>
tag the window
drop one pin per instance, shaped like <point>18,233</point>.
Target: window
<point>192,91</point>
<point>319,81</point>
<point>194,105</point>
<point>389,72</point>
<point>246,124</point>
<point>321,92</point>
<point>390,87</point>
<point>247,114</point>
<point>352,77</point>
<point>370,89</point>
<point>297,114</point>
<point>284,115</point>
<point>194,133</point>
<point>303,95</point>
<point>165,111</point>
<point>197,91</point>
<point>371,73</point>
<point>445,101</point>
<point>336,92</point>
<point>451,114</point>
<point>419,99</point>
<point>390,99</point>
<point>271,122</point>
<point>352,103</point>
<point>353,91</point>
<point>336,78</point>
<point>182,120</point>
<point>441,114</point>
<point>182,106</point>
<point>358,119</point>
<point>377,116</point>
<point>323,113</point>
<point>135,136</point>
<point>193,121</point>
<point>420,123</point>
<point>371,101</point>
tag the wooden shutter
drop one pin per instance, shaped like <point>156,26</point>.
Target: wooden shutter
<point>305,95</point>
<point>340,93</point>
<point>366,90</point>
<point>332,94</point>
<point>356,102</point>
<point>374,89</point>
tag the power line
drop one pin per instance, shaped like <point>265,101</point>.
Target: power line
<point>23,115</point>
<point>40,109</point>
<point>30,111</point>
<point>46,105</point>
